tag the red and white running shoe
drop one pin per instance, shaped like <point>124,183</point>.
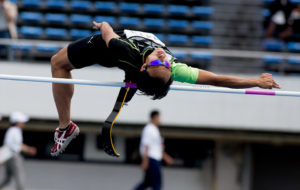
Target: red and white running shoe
<point>63,138</point>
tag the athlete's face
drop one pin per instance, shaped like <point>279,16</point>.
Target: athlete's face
<point>157,71</point>
<point>158,53</point>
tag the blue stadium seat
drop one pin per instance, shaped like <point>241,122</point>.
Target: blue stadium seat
<point>269,1</point>
<point>31,16</point>
<point>205,40</point>
<point>22,47</point>
<point>81,5</point>
<point>47,48</point>
<point>153,22</point>
<point>180,54</point>
<point>77,33</point>
<point>295,1</point>
<point>55,4</point>
<point>129,7</point>
<point>294,60</point>
<point>160,36</point>
<point>14,1</point>
<point>178,9</point>
<point>178,24</point>
<point>153,8</point>
<point>108,19</point>
<point>105,6</point>
<point>80,19</point>
<point>273,45</point>
<point>294,46</point>
<point>32,3</point>
<point>129,21</point>
<point>266,13</point>
<point>29,31</point>
<point>177,38</point>
<point>56,18</point>
<point>202,11</point>
<point>202,25</point>
<point>272,59</point>
<point>56,32</point>
<point>201,56</point>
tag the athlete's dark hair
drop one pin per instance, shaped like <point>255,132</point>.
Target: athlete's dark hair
<point>150,86</point>
<point>154,113</point>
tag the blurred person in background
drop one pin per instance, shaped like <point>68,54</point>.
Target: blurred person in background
<point>280,13</point>
<point>13,141</point>
<point>8,17</point>
<point>152,152</point>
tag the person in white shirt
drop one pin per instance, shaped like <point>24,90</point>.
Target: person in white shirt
<point>13,142</point>
<point>152,152</point>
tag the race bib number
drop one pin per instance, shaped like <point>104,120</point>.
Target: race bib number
<point>149,36</point>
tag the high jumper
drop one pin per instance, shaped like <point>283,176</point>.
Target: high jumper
<point>146,61</point>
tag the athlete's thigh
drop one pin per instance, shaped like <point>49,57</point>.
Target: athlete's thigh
<point>88,51</point>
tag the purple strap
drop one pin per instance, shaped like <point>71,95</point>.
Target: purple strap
<point>261,92</point>
<point>130,85</point>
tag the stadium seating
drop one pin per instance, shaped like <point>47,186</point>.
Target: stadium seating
<point>202,25</point>
<point>160,36</point>
<point>177,24</point>
<point>54,4</point>
<point>32,3</point>
<point>46,48</point>
<point>273,45</point>
<point>204,40</point>
<point>105,6</point>
<point>77,33</point>
<point>180,54</point>
<point>108,19</point>
<point>150,22</point>
<point>57,33</point>
<point>178,9</point>
<point>153,8</point>
<point>294,60</point>
<point>201,56</point>
<point>177,38</point>
<point>271,59</point>
<point>81,19</point>
<point>31,16</point>
<point>202,11</point>
<point>33,32</point>
<point>80,5</point>
<point>129,7</point>
<point>294,46</point>
<point>56,18</point>
<point>129,21</point>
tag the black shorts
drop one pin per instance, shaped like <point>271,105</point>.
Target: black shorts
<point>90,50</point>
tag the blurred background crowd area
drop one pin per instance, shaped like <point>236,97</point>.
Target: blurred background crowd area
<point>224,142</point>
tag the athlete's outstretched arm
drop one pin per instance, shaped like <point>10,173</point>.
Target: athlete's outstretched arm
<point>106,30</point>
<point>265,80</point>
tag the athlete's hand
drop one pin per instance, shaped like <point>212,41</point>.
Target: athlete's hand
<point>266,80</point>
<point>97,25</point>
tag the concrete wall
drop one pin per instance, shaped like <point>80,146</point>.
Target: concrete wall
<point>178,109</point>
